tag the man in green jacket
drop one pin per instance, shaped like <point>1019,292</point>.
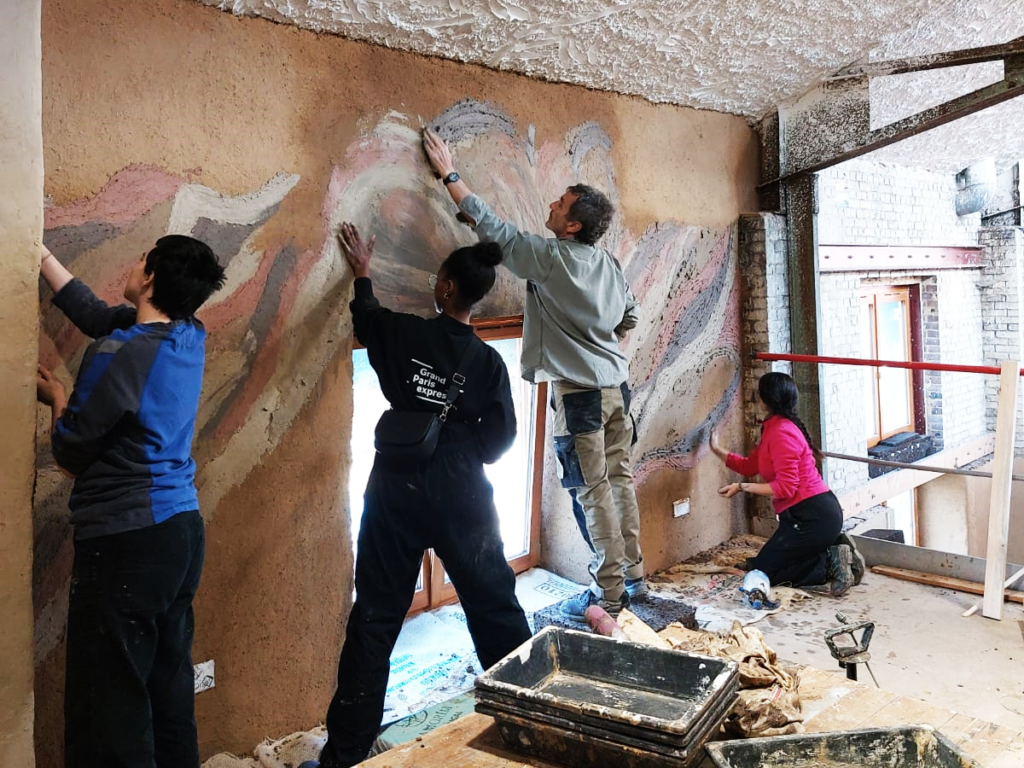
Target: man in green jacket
<point>578,308</point>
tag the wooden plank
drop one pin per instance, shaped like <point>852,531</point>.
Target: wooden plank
<point>470,742</point>
<point>999,503</point>
<point>819,690</point>
<point>906,711</point>
<point>987,741</point>
<point>855,710</point>
<point>960,727</point>
<point>1011,757</point>
<point>945,582</point>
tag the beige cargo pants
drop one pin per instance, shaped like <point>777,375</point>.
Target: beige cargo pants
<point>593,434</point>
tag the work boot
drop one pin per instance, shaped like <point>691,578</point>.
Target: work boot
<point>858,565</point>
<point>636,588</point>
<point>576,606</point>
<point>747,564</point>
<point>840,570</point>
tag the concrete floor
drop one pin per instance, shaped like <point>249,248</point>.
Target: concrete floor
<point>922,647</point>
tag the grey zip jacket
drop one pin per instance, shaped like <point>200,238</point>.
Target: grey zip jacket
<point>578,304</point>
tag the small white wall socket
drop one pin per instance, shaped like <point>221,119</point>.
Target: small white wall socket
<point>681,507</point>
<point>203,676</point>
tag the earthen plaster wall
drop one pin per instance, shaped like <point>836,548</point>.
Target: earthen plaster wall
<point>167,116</point>
<point>21,225</point>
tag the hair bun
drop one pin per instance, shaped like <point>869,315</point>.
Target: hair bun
<point>489,254</point>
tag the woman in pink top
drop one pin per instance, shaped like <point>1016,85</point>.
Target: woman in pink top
<point>804,551</point>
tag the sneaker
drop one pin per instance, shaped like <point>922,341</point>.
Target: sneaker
<point>858,565</point>
<point>840,569</point>
<point>576,606</point>
<point>636,588</point>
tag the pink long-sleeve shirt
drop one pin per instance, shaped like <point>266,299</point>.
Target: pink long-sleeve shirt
<point>785,461</point>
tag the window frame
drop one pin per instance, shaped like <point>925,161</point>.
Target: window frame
<point>870,296</point>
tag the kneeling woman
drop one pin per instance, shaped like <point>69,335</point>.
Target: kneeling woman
<point>801,551</point>
<point>442,502</point>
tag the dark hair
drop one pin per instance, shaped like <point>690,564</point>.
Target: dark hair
<point>185,274</point>
<point>779,394</point>
<point>592,210</point>
<point>472,270</point>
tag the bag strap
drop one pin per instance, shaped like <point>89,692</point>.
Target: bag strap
<point>458,378</point>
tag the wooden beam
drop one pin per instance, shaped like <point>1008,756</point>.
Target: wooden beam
<point>801,198</point>
<point>831,123</point>
<point>945,582</point>
<point>999,502</point>
<point>932,61</point>
<point>891,484</point>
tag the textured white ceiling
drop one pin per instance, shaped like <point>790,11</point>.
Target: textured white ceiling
<point>737,56</point>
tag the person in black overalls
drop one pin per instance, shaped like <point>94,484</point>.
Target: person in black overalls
<point>445,503</point>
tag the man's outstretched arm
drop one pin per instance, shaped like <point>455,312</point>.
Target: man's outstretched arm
<point>441,161</point>
<point>526,256</point>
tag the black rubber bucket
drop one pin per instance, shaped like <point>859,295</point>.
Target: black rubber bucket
<point>906,746</point>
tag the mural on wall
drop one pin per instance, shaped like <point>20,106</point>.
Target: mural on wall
<point>282,316</point>
<point>682,275</point>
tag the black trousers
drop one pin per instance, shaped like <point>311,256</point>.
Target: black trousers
<point>795,554</point>
<point>447,505</point>
<point>129,697</point>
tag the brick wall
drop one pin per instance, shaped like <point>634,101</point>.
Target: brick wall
<point>962,401</point>
<point>1002,291</point>
<point>842,386</point>
<point>764,313</point>
<point>968,316</point>
<point>865,203</point>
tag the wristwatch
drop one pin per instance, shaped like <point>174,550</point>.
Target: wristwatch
<point>451,178</point>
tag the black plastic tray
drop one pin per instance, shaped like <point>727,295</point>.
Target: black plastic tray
<point>615,683</point>
<point>907,746</point>
<point>574,749</point>
<point>615,729</point>
<point>716,715</point>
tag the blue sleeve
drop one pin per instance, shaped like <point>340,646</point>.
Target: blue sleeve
<point>93,316</point>
<point>108,387</point>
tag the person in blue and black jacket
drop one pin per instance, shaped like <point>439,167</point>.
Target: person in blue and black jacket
<point>125,435</point>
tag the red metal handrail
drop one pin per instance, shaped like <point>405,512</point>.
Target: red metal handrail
<point>914,366</point>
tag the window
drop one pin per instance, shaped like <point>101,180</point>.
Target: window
<point>516,477</point>
<point>885,334</point>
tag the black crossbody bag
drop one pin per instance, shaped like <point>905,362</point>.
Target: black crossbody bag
<point>413,435</point>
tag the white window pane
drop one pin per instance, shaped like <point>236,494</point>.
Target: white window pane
<point>894,383</point>
<point>892,330</point>
<point>368,404</point>
<point>511,474</point>
<point>895,396</point>
<point>867,352</point>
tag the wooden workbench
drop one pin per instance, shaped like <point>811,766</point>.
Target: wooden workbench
<point>830,702</point>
